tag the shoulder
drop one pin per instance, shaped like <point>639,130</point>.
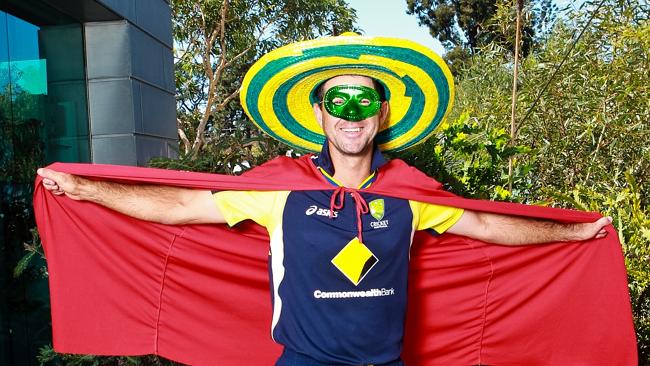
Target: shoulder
<point>288,174</point>
<point>399,173</point>
<point>281,165</point>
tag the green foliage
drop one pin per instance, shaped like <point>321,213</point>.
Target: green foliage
<point>591,125</point>
<point>216,41</point>
<point>233,153</point>
<point>33,249</point>
<point>47,355</point>
<point>471,160</point>
<point>465,27</point>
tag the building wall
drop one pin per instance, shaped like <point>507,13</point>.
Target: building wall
<point>132,107</point>
<point>129,76</point>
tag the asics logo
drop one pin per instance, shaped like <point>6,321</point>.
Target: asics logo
<point>313,209</point>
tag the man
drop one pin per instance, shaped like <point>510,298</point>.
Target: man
<point>312,315</point>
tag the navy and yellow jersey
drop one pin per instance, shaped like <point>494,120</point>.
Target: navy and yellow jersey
<point>336,299</point>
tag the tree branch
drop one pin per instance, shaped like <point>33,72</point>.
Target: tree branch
<point>232,96</point>
<point>513,129</point>
<point>255,42</point>
<point>183,136</point>
<point>214,77</point>
<point>222,44</point>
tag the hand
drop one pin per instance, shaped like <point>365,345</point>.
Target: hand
<point>593,230</point>
<point>61,183</point>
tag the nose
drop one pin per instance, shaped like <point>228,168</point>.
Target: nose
<point>353,112</point>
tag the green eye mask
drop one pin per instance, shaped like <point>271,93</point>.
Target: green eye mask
<point>352,102</point>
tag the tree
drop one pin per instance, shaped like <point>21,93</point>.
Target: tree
<point>587,136</point>
<point>464,26</point>
<point>215,43</point>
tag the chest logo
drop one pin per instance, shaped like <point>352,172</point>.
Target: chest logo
<point>377,208</point>
<point>313,209</point>
<point>355,260</point>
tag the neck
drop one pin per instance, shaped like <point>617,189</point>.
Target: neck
<point>351,170</point>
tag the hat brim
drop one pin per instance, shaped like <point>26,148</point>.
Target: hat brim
<point>278,91</point>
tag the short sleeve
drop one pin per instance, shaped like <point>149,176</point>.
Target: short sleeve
<point>436,217</point>
<point>263,207</point>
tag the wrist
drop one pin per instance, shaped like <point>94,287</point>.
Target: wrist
<point>577,232</point>
<point>86,190</point>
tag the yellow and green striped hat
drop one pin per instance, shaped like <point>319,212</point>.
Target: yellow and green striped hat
<point>280,88</point>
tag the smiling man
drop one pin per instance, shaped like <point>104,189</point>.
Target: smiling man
<point>339,257</point>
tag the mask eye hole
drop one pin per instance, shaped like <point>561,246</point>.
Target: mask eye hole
<point>364,102</point>
<point>338,101</point>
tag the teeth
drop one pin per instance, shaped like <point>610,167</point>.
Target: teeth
<point>357,129</point>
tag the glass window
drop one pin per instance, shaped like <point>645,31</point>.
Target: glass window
<point>43,118</point>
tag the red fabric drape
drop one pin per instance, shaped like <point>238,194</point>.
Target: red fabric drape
<point>198,294</point>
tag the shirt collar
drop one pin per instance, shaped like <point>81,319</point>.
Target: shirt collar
<point>324,162</point>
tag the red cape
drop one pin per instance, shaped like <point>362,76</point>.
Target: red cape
<point>198,294</point>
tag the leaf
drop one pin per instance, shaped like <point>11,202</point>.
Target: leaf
<point>23,263</point>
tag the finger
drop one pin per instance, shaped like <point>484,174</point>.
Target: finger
<point>606,220</point>
<point>49,174</point>
<point>50,185</point>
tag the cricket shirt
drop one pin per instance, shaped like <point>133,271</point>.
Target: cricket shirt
<point>337,298</point>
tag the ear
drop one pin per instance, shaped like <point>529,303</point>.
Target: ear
<point>383,113</point>
<point>318,113</point>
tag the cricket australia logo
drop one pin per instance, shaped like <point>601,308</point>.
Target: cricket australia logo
<point>377,211</point>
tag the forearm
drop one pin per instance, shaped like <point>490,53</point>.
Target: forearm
<point>512,230</point>
<point>161,204</point>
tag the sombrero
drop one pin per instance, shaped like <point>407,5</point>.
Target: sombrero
<point>279,89</point>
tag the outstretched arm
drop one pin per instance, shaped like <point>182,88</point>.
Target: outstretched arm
<point>511,230</point>
<point>162,204</point>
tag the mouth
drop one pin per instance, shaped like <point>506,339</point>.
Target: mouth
<point>352,129</point>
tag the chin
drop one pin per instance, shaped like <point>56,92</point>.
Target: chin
<point>356,150</point>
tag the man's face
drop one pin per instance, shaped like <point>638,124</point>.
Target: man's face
<point>344,136</point>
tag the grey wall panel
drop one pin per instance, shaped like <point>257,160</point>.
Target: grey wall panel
<point>136,89</point>
<point>168,72</point>
<point>154,16</point>
<point>124,8</point>
<point>148,147</point>
<point>112,106</point>
<point>131,85</point>
<point>108,49</point>
<point>114,149</point>
<point>148,58</point>
<point>158,112</point>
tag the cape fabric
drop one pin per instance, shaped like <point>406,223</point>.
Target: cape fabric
<point>198,294</point>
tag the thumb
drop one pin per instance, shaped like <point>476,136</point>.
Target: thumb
<point>604,221</point>
<point>46,173</point>
<point>599,226</point>
<point>49,175</point>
